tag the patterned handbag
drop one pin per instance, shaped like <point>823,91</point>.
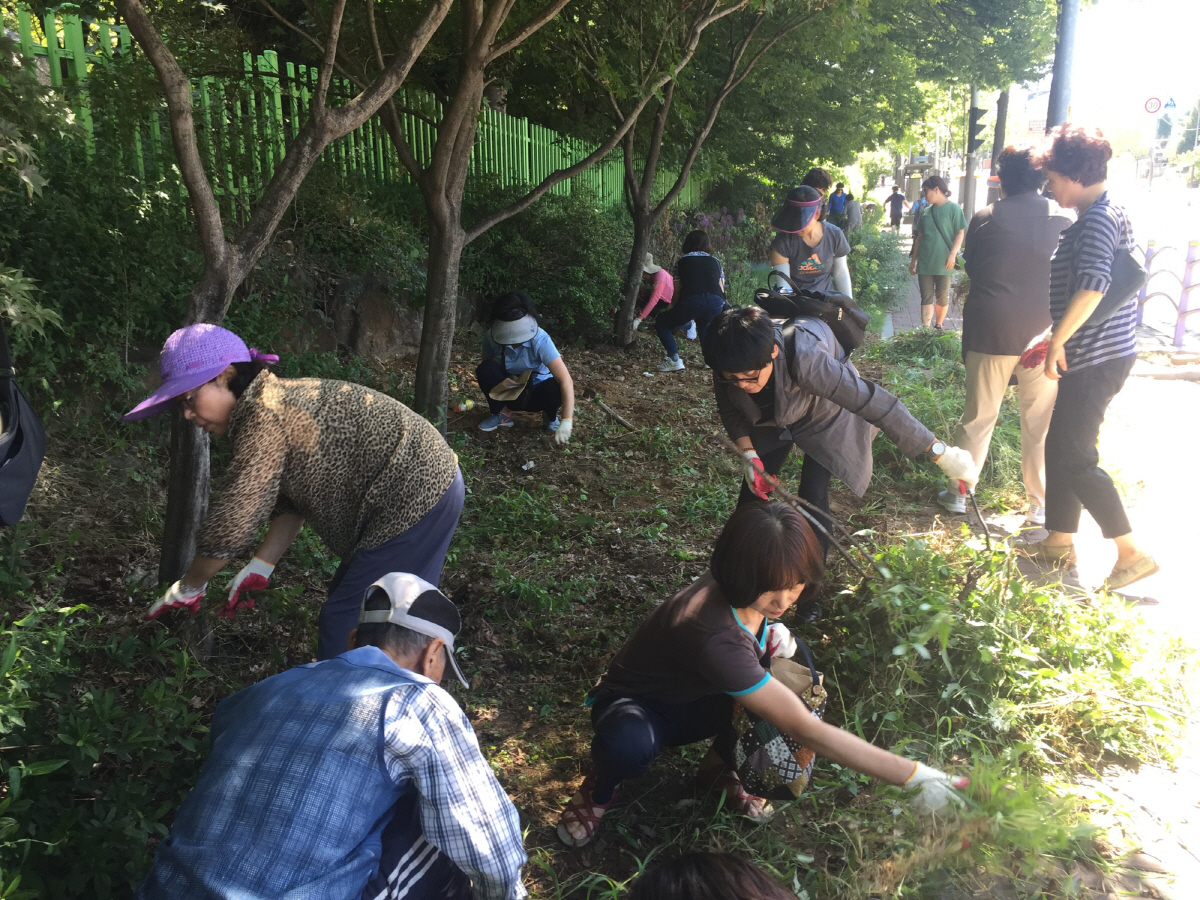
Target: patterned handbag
<point>770,763</point>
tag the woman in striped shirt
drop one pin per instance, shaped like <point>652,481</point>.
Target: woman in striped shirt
<point>1090,362</point>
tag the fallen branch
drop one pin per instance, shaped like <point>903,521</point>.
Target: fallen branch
<point>799,504</point>
<point>612,412</point>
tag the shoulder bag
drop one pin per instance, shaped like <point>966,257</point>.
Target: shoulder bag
<point>22,441</point>
<point>1128,278</point>
<point>846,318</point>
<point>770,763</point>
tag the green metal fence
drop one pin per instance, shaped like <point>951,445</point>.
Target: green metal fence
<point>243,125</point>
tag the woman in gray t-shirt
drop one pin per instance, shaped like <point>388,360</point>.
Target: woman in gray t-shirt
<point>811,252</point>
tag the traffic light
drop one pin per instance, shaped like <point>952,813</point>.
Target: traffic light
<point>975,130</point>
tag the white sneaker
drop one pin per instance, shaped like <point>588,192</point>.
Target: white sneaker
<point>691,332</point>
<point>670,364</point>
<point>955,503</point>
<point>1036,515</point>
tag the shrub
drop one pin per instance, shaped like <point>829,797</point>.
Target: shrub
<point>567,253</point>
<point>878,269</point>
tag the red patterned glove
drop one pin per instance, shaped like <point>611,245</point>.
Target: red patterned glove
<point>252,578</point>
<point>756,475</point>
<point>1035,355</point>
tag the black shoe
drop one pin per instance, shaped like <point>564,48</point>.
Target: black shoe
<point>810,612</point>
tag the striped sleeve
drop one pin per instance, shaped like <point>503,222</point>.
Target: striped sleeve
<point>1095,249</point>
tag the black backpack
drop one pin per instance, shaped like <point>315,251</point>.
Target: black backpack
<point>22,442</point>
<point>846,318</point>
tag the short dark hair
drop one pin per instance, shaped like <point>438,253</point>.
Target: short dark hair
<point>818,178</point>
<point>707,876</point>
<point>1019,172</point>
<point>697,242</point>
<point>740,339</point>
<point>392,639</point>
<point>839,186</point>
<point>936,182</point>
<point>244,375</point>
<point>766,546</point>
<point>511,306</point>
<point>1080,154</point>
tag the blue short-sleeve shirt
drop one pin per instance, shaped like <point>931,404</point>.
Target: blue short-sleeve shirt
<point>536,353</point>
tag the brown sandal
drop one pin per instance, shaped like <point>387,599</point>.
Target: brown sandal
<point>581,810</point>
<point>737,798</point>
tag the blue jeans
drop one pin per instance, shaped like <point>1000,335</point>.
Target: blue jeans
<point>698,308</point>
<point>421,550</point>
<point>631,732</point>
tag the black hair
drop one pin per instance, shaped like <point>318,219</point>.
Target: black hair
<point>936,182</point>
<point>707,876</point>
<point>766,546</point>
<point>839,186</point>
<point>818,178</point>
<point>1019,173</point>
<point>697,242</point>
<point>392,639</point>
<point>740,339</point>
<point>511,306</point>
<point>245,373</point>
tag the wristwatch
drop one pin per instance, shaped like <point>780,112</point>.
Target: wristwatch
<point>937,448</point>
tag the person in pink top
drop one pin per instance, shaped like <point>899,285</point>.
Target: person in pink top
<point>662,289</point>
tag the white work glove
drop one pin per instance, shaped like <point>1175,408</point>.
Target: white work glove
<point>780,643</point>
<point>756,478</point>
<point>563,432</point>
<point>637,322</point>
<point>252,578</point>
<point>178,596</point>
<point>959,465</point>
<point>935,788</point>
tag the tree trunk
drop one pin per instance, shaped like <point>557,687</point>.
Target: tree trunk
<point>446,242</point>
<point>642,226</point>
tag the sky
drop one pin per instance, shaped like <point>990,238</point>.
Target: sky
<point>1126,52</point>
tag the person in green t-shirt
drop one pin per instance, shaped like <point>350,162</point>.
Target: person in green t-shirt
<point>939,237</point>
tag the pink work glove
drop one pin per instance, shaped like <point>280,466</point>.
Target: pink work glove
<point>178,596</point>
<point>756,478</point>
<point>252,578</point>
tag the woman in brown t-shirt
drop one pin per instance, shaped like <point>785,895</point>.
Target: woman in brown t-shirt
<point>675,679</point>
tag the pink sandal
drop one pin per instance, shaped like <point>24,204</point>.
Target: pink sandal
<point>581,810</point>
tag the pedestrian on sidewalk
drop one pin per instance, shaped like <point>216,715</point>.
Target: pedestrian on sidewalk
<point>939,237</point>
<point>1090,361</point>
<point>523,370</point>
<point>811,252</point>
<point>375,481</point>
<point>1008,250</point>
<point>820,181</point>
<point>354,777</point>
<point>897,203</point>
<point>676,678</point>
<point>699,296</point>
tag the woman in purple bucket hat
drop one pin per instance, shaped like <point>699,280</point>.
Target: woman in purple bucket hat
<point>376,481</point>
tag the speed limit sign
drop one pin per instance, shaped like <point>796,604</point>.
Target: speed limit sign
<point>1153,105</point>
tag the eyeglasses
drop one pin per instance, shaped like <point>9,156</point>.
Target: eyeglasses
<point>743,377</point>
<point>188,400</point>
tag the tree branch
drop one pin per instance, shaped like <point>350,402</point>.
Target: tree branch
<point>548,12</point>
<point>325,76</point>
<point>177,89</point>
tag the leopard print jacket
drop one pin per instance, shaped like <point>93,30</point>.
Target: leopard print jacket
<point>359,466</point>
